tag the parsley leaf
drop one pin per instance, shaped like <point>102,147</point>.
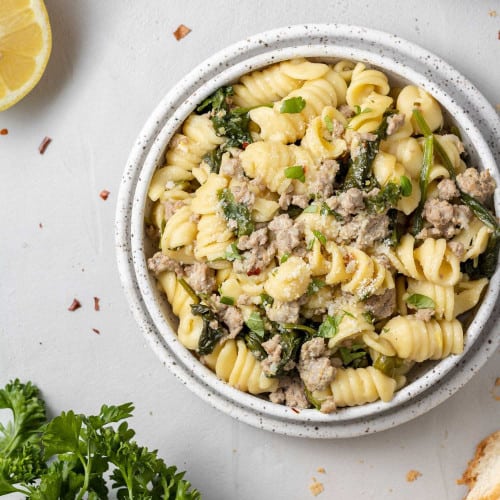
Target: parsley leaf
<point>319,236</point>
<point>237,212</point>
<point>419,301</point>
<point>295,172</point>
<point>314,286</point>
<point>330,326</point>
<point>232,253</point>
<point>256,324</point>
<point>293,105</point>
<point>406,186</point>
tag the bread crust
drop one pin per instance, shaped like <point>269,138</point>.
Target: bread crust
<point>487,449</point>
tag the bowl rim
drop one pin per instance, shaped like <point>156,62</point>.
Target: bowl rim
<point>226,66</point>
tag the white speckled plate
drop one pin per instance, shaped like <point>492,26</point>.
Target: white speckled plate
<point>403,61</point>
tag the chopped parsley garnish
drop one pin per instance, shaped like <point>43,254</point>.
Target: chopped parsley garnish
<point>284,257</point>
<point>315,285</point>
<point>256,324</point>
<point>328,123</point>
<point>237,212</point>
<point>330,327</point>
<point>406,187</point>
<point>232,253</point>
<point>293,105</point>
<point>295,172</point>
<point>419,301</point>
<point>320,236</point>
<point>229,301</point>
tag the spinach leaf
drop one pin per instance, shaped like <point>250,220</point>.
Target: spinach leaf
<point>232,253</point>
<point>386,198</point>
<point>254,344</point>
<point>228,122</point>
<point>214,158</point>
<point>236,211</point>
<point>359,173</point>
<point>290,342</point>
<point>209,335</point>
<point>356,356</point>
<point>485,265</point>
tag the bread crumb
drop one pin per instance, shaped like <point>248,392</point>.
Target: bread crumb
<point>181,32</point>
<point>412,475</point>
<point>492,13</point>
<point>497,107</point>
<point>321,470</point>
<point>495,392</point>
<point>316,487</point>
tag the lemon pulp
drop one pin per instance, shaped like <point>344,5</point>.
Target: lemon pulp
<point>25,45</point>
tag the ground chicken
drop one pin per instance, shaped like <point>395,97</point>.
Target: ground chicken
<point>234,320</point>
<point>160,263</point>
<point>255,260</point>
<point>480,185</point>
<point>243,194</point>
<point>447,190</point>
<point>291,392</point>
<point>201,277</point>
<point>394,123</point>
<point>170,207</point>
<point>273,349</point>
<point>446,220</point>
<point>424,314</point>
<point>350,202</point>
<point>364,230</point>
<point>287,233</point>
<point>231,167</point>
<point>315,368</point>
<point>283,312</point>
<point>383,305</point>
<point>256,239</point>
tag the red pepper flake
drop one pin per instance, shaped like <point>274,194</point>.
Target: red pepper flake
<point>96,304</point>
<point>104,194</point>
<point>4,131</point>
<point>244,145</point>
<point>95,330</point>
<point>181,32</point>
<point>253,272</point>
<point>74,305</point>
<point>40,225</point>
<point>43,145</point>
<point>295,410</point>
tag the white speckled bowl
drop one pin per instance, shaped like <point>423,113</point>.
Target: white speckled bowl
<point>402,60</point>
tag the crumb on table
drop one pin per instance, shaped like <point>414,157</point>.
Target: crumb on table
<point>181,32</point>
<point>321,470</point>
<point>412,475</point>
<point>492,13</point>
<point>316,487</point>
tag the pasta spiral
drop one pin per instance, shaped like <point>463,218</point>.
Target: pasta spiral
<point>419,340</point>
<point>432,261</point>
<point>329,90</point>
<point>190,326</point>
<point>185,153</point>
<point>365,81</point>
<point>358,386</point>
<point>236,365</point>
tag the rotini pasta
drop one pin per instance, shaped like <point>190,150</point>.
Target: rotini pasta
<point>312,243</point>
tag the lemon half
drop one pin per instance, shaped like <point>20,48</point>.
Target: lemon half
<point>25,44</point>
